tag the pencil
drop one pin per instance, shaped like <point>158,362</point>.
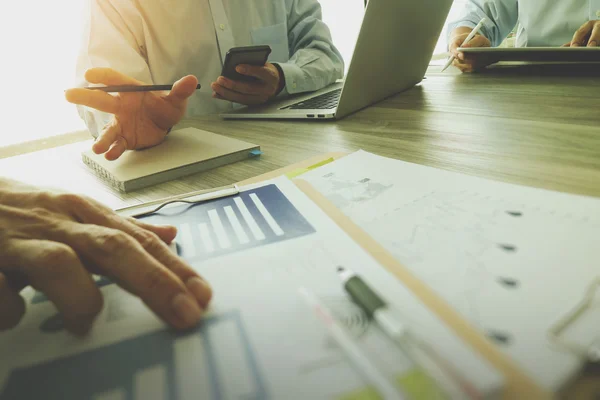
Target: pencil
<point>352,351</point>
<point>467,40</point>
<point>132,88</point>
<point>375,307</point>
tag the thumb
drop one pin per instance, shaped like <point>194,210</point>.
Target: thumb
<point>456,42</point>
<point>183,88</point>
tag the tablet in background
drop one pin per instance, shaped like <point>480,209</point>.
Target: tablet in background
<point>540,54</point>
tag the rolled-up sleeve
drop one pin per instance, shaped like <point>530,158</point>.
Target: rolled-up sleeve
<point>315,62</point>
<point>501,15</point>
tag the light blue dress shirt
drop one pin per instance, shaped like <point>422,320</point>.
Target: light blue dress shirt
<point>160,41</point>
<point>541,23</point>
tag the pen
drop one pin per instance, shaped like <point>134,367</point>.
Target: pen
<point>342,338</point>
<point>467,40</point>
<point>132,88</point>
<point>375,307</point>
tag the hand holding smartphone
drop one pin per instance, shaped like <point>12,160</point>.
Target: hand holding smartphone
<point>251,55</point>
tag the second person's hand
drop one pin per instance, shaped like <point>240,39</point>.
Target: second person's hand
<point>141,119</point>
<point>463,61</point>
<point>588,35</point>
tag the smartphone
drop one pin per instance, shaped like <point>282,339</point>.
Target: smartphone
<point>251,55</point>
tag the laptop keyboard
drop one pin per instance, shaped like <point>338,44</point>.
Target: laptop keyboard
<point>327,100</point>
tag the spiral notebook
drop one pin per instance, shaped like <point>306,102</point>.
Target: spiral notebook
<point>184,152</point>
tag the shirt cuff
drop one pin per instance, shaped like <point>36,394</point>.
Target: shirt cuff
<point>294,77</point>
<point>485,30</point>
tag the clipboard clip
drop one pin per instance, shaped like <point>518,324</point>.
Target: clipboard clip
<point>589,353</point>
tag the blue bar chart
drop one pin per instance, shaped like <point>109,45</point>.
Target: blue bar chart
<point>253,218</point>
<point>213,362</point>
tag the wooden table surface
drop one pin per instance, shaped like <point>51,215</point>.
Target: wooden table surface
<point>531,125</point>
<point>538,126</point>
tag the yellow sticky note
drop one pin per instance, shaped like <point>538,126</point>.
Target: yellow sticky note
<point>367,393</point>
<point>418,386</point>
<point>415,384</point>
<point>320,164</point>
<point>296,172</point>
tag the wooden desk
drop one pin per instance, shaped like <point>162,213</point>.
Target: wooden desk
<point>521,124</point>
<point>526,125</point>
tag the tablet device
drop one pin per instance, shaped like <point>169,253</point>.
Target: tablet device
<point>543,54</point>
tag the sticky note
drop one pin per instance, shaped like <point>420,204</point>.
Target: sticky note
<point>415,384</point>
<point>297,172</point>
<point>418,386</point>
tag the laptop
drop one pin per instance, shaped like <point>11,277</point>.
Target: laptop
<point>395,45</point>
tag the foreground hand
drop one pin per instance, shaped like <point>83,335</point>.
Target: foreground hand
<point>141,119</point>
<point>588,35</point>
<point>54,242</point>
<point>268,85</point>
<point>465,62</point>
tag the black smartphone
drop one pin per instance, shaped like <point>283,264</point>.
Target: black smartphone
<point>251,55</point>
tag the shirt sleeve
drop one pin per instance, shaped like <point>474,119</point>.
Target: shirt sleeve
<point>315,62</point>
<point>501,15</point>
<point>112,37</point>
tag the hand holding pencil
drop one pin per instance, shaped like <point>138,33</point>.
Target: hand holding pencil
<point>142,114</point>
<point>466,37</point>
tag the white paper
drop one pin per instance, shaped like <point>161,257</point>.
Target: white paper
<point>511,259</point>
<point>259,340</point>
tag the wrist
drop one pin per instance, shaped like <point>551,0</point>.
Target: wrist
<point>281,83</point>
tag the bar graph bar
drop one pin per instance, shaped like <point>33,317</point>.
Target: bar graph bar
<point>205,238</point>
<point>253,218</point>
<point>192,375</point>
<point>212,362</point>
<point>236,383</point>
<point>217,225</point>
<point>266,215</point>
<point>185,236</point>
<point>256,232</point>
<point>237,227</point>
<point>150,383</point>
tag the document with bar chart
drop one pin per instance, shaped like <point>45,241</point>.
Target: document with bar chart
<point>256,217</point>
<point>258,340</point>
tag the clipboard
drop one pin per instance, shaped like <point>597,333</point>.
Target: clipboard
<point>518,384</point>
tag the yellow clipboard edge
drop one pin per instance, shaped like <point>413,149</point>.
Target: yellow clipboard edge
<point>518,384</point>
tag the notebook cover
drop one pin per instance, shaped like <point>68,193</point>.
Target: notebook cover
<point>184,151</point>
